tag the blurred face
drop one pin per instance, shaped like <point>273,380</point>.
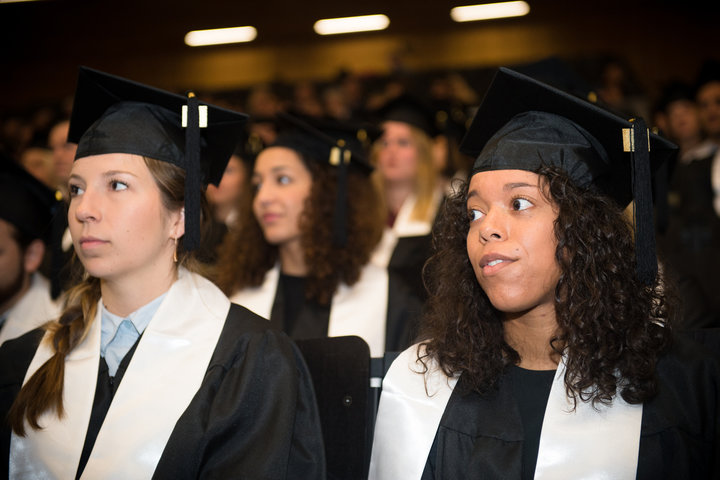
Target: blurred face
<point>708,100</point>
<point>228,191</point>
<point>119,226</point>
<point>63,151</point>
<point>683,120</point>
<point>398,153</point>
<point>282,183</point>
<point>12,271</point>
<point>38,162</point>
<point>511,243</point>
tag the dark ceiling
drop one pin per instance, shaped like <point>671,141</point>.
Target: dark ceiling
<point>40,42</point>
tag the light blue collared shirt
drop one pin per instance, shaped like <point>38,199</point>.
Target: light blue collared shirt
<point>120,334</point>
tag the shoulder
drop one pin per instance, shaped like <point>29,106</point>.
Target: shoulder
<point>16,355</point>
<point>249,338</point>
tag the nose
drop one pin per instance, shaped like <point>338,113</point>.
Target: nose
<point>492,227</point>
<point>263,194</point>
<point>85,208</point>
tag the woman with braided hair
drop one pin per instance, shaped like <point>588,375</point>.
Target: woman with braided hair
<point>151,371</point>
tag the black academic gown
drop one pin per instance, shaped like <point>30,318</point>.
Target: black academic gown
<point>482,437</point>
<point>310,320</point>
<point>254,416</point>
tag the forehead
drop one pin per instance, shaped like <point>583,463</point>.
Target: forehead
<point>277,157</point>
<point>502,180</point>
<point>110,162</point>
<point>709,91</point>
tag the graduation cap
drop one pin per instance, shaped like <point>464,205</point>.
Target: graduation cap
<point>407,108</point>
<point>33,208</point>
<point>340,144</point>
<point>116,115</point>
<point>525,124</point>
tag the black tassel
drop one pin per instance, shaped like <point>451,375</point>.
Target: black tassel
<point>340,220</point>
<point>643,207</point>
<point>193,178</point>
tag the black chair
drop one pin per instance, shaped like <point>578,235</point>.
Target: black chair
<point>347,386</point>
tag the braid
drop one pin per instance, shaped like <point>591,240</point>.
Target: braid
<point>44,390</point>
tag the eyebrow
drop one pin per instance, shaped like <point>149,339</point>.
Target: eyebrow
<point>108,174</point>
<point>507,187</point>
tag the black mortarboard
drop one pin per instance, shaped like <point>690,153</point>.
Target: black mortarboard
<point>525,124</point>
<point>116,115</point>
<point>340,144</point>
<point>34,209</point>
<point>412,110</point>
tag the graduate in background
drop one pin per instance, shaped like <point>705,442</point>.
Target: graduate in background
<point>27,210</point>
<point>151,371</point>
<point>410,185</point>
<point>548,349</point>
<point>301,254</point>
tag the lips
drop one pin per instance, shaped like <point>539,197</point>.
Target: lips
<point>492,262</point>
<point>90,242</point>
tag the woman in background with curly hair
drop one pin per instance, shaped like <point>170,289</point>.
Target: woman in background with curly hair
<point>301,255</point>
<point>548,350</point>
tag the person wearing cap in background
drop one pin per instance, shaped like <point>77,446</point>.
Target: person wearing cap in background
<point>409,184</point>
<point>224,200</point>
<point>150,371</point>
<point>692,242</point>
<point>548,349</point>
<point>301,254</point>
<point>27,209</point>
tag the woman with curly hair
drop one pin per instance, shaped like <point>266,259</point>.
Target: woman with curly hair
<point>300,256</point>
<point>151,371</point>
<point>548,349</point>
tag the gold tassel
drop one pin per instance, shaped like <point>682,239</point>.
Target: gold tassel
<point>175,251</point>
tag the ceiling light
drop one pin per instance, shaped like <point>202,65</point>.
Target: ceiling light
<point>363,23</point>
<point>487,11</point>
<point>219,36</point>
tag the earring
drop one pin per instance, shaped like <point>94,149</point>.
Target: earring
<point>175,252</point>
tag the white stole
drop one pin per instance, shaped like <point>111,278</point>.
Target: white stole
<point>32,310</point>
<point>408,417</point>
<point>166,371</point>
<point>360,309</point>
<point>404,226</point>
<point>584,443</point>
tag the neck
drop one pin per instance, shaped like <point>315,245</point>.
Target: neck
<point>396,193</point>
<point>529,334</point>
<point>122,297</point>
<point>292,259</point>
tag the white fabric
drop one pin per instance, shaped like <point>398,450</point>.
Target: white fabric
<point>404,226</point>
<point>585,443</point>
<point>32,310</point>
<point>599,443</point>
<point>360,309</point>
<point>166,371</point>
<point>411,406</point>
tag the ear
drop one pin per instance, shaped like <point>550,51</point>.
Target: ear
<point>177,225</point>
<point>34,254</point>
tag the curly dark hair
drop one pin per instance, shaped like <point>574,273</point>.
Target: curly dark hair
<point>245,256</point>
<point>611,327</point>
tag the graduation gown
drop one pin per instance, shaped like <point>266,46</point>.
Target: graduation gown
<point>474,436</point>
<point>222,397</point>
<point>32,310</point>
<point>406,246</point>
<point>380,308</point>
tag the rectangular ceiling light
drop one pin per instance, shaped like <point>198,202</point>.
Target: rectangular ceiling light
<point>488,11</point>
<point>219,36</point>
<point>363,23</point>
